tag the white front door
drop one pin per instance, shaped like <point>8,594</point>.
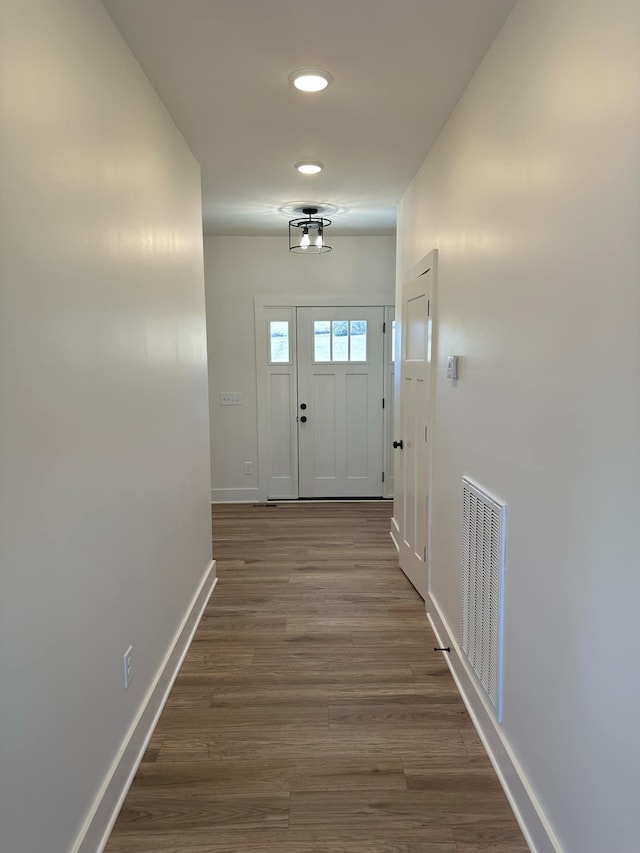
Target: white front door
<point>340,414</point>
<point>412,460</point>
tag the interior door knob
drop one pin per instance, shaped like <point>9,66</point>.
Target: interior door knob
<point>303,419</point>
<point>398,444</point>
<point>303,406</point>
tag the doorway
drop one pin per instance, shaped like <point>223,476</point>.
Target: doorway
<point>321,400</point>
<point>340,390</point>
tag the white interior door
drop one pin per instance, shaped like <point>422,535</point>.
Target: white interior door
<point>340,389</point>
<point>413,458</point>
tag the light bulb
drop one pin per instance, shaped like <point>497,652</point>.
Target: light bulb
<point>319,240</point>
<point>304,240</point>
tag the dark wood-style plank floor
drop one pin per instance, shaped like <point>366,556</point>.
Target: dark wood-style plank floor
<point>311,714</point>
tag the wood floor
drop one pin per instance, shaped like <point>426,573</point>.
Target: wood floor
<point>311,714</point>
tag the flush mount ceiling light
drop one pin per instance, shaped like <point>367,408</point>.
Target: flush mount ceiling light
<point>309,167</point>
<point>310,79</point>
<point>306,233</point>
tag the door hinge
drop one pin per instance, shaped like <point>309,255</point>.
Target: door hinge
<point>428,307</point>
<point>383,476</point>
<point>425,553</point>
<point>384,327</point>
<point>425,433</point>
<point>383,402</point>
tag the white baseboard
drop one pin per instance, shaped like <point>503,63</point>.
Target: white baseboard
<point>250,494</point>
<point>526,808</point>
<point>395,534</point>
<point>95,833</point>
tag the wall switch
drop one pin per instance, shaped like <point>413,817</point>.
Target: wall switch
<point>248,467</point>
<point>128,666</point>
<point>230,398</point>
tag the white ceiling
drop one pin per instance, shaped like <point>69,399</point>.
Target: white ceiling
<point>221,68</point>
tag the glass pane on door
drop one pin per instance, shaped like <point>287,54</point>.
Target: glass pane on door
<point>340,340</point>
<point>358,340</point>
<point>321,340</point>
<point>279,351</point>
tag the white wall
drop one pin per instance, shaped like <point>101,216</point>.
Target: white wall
<point>104,486</point>
<point>241,269</point>
<point>531,196</point>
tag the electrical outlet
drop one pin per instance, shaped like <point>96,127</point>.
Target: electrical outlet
<point>248,467</point>
<point>128,666</point>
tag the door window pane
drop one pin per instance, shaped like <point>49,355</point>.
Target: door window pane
<point>358,343</point>
<point>340,340</point>
<point>321,340</point>
<point>279,350</point>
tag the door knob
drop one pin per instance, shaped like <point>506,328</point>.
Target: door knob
<point>397,444</point>
<point>303,406</point>
<point>303,419</point>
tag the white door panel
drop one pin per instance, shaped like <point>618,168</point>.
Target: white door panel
<point>413,460</point>
<point>282,462</point>
<point>277,390</point>
<point>340,383</point>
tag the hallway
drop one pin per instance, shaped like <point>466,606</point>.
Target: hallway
<point>311,714</point>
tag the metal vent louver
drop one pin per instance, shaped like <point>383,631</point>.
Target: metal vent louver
<point>483,557</point>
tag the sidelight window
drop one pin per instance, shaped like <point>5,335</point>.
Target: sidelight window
<point>279,342</point>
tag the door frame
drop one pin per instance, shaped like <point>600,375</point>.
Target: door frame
<point>291,302</point>
<point>389,394</point>
<point>428,262</point>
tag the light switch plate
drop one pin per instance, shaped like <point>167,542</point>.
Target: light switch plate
<point>230,398</point>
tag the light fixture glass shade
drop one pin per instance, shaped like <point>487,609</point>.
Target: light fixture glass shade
<point>310,79</point>
<point>309,167</point>
<point>306,233</point>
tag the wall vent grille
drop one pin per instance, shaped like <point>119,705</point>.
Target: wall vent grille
<point>483,559</point>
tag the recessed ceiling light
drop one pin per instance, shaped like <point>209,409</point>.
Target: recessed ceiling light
<point>310,79</point>
<point>309,167</point>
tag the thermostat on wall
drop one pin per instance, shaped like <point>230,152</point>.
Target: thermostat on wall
<point>452,367</point>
